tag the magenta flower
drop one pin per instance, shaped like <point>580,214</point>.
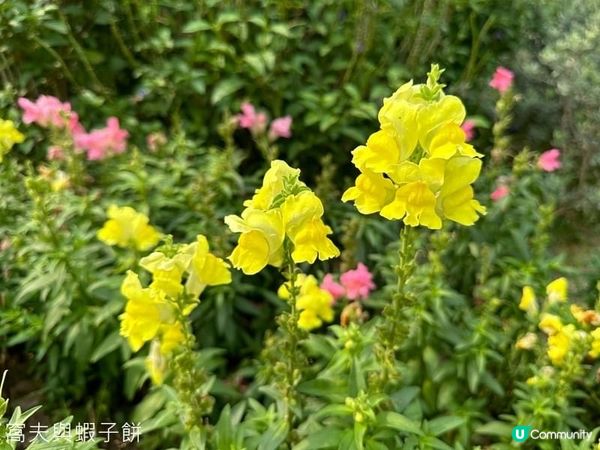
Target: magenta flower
<point>500,192</point>
<point>549,161</point>
<point>335,289</point>
<point>102,142</point>
<point>468,127</point>
<point>250,119</point>
<point>281,127</point>
<point>502,79</point>
<point>357,282</point>
<point>46,111</point>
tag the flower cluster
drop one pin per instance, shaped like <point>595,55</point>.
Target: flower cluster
<point>355,284</point>
<point>563,337</point>
<point>128,228</point>
<point>9,136</point>
<point>157,312</point>
<point>282,211</point>
<point>49,112</point>
<point>418,166</point>
<point>313,302</point>
<point>256,122</point>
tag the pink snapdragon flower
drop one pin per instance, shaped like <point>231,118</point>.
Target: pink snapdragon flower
<point>357,282</point>
<point>549,161</point>
<point>502,79</point>
<point>250,119</point>
<point>102,142</point>
<point>334,288</point>
<point>500,192</point>
<point>468,127</point>
<point>281,127</point>
<point>46,111</point>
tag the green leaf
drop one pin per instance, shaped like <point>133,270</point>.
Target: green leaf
<point>195,25</point>
<point>495,428</point>
<point>328,437</point>
<point>225,88</point>
<point>433,442</point>
<point>399,422</point>
<point>440,425</point>
<point>110,343</point>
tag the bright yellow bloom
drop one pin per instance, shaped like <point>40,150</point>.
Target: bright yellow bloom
<point>550,324</point>
<point>559,344</point>
<point>128,228</point>
<point>371,193</point>
<point>557,290</point>
<point>313,302</point>
<point>205,268</point>
<point>595,351</point>
<point>145,312</point>
<point>172,336</point>
<point>528,302</point>
<point>282,207</point>
<point>9,136</point>
<point>418,167</point>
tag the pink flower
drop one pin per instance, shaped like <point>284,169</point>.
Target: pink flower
<point>281,127</point>
<point>102,142</point>
<point>468,127</point>
<point>250,119</point>
<point>500,192</point>
<point>55,153</point>
<point>358,282</point>
<point>502,79</point>
<point>335,289</point>
<point>46,111</point>
<point>549,161</point>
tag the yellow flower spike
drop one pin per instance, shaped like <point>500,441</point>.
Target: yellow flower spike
<point>415,204</point>
<point>9,136</point>
<point>528,301</point>
<point>128,228</point>
<point>205,268</point>
<point>371,192</point>
<point>595,351</point>
<point>557,290</point>
<point>425,186</point>
<point>550,324</point>
<point>146,310</point>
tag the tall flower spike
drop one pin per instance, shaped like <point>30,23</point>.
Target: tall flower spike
<point>418,167</point>
<point>282,208</point>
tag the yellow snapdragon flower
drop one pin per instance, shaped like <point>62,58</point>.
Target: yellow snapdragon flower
<point>528,302</point>
<point>418,167</point>
<point>595,350</point>
<point>146,310</point>
<point>557,290</point>
<point>283,207</point>
<point>9,136</point>
<point>550,324</point>
<point>128,228</point>
<point>314,303</point>
<point>560,343</point>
